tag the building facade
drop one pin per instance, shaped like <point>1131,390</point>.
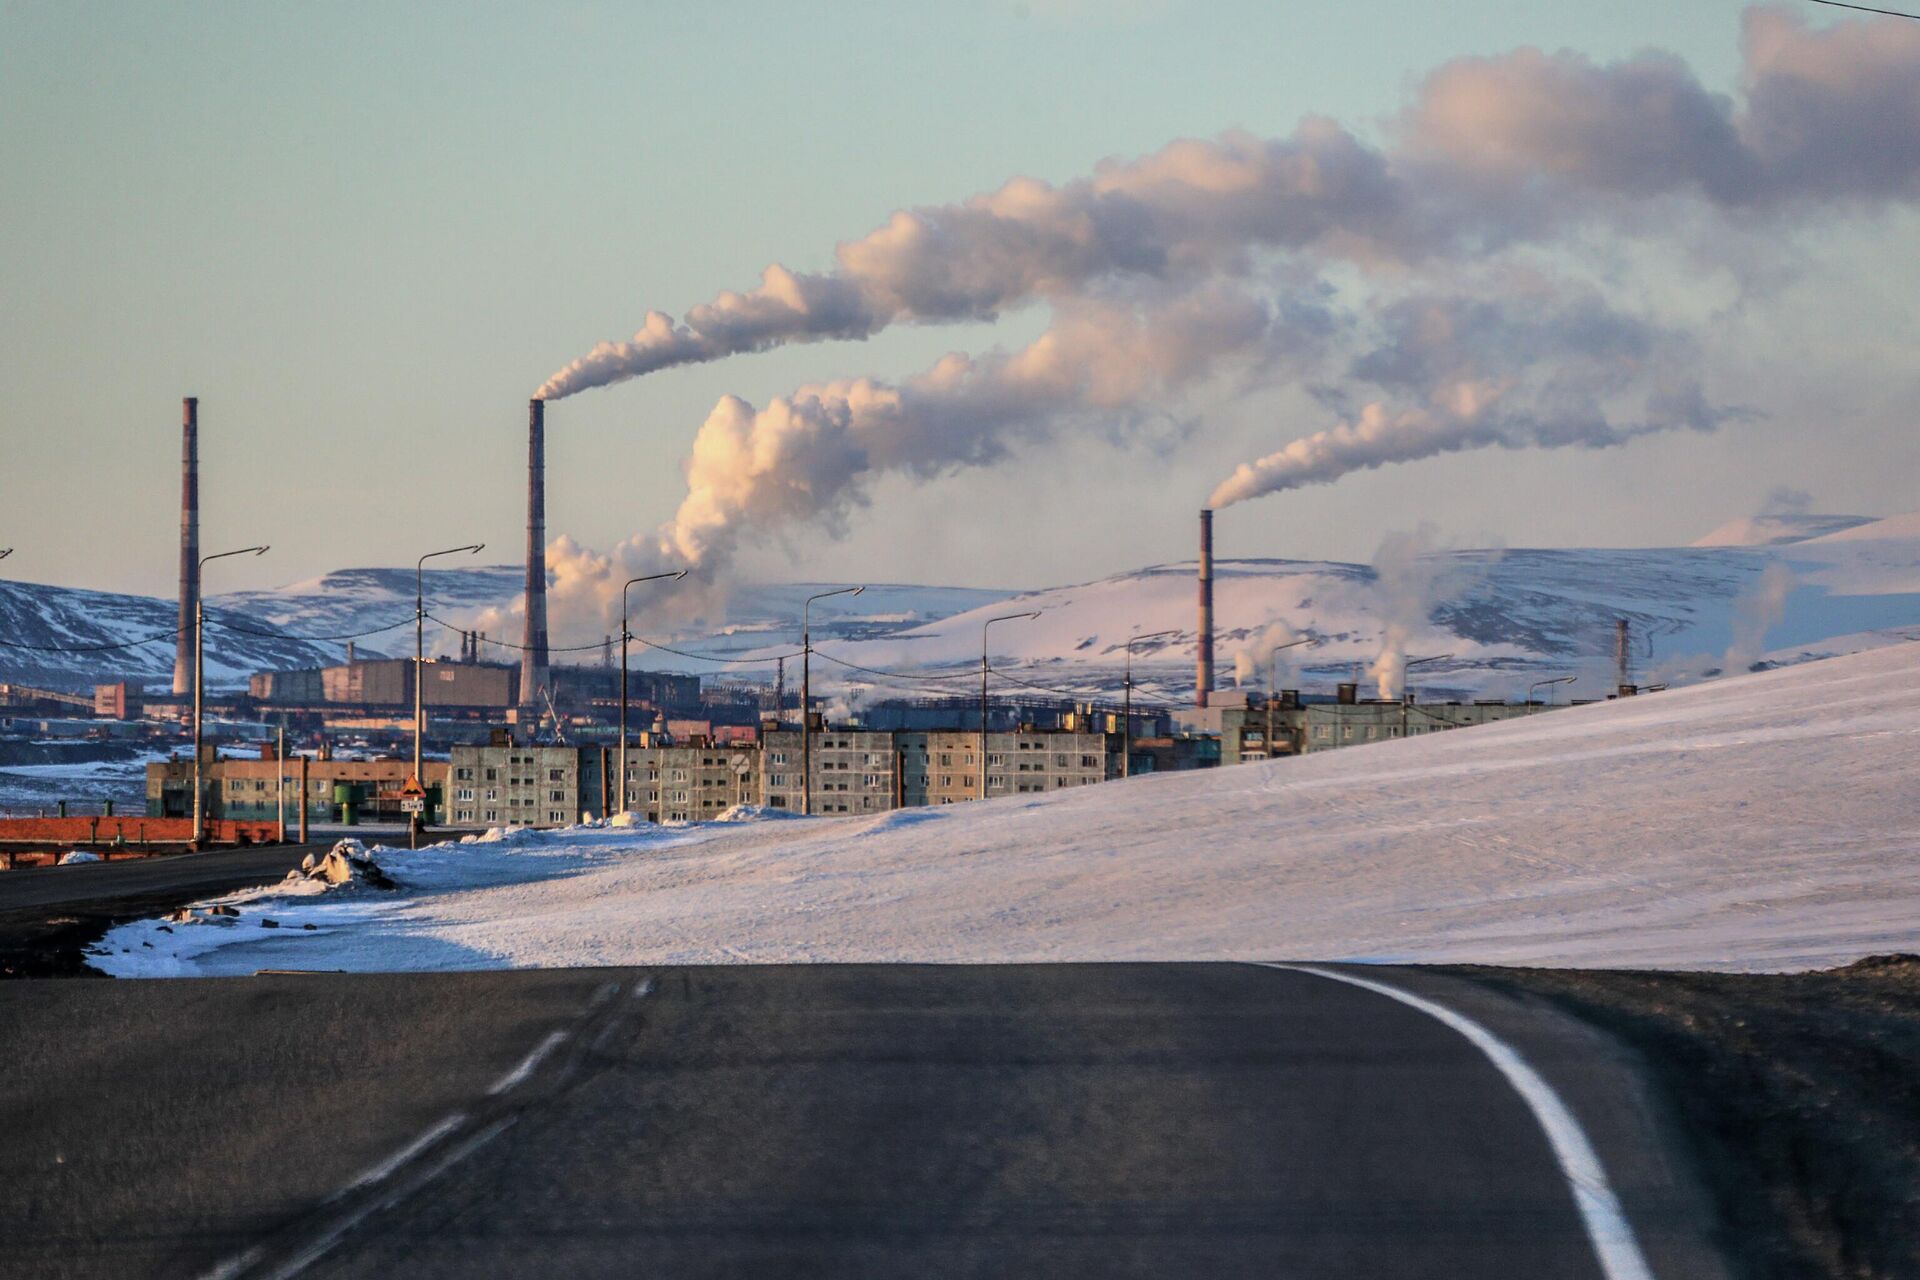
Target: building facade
<point>514,786</point>
<point>333,791</point>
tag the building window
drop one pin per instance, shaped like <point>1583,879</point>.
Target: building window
<point>556,775</point>
<point>555,815</point>
<point>556,796</point>
<point>463,773</point>
<point>465,793</point>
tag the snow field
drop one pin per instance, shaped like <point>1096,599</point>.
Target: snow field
<point>1769,821</point>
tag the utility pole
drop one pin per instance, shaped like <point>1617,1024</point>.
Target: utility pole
<point>984,668</point>
<point>626,635</point>
<point>806,694</point>
<point>1126,703</point>
<point>1406,691</point>
<point>420,672</point>
<point>1538,683</point>
<point>280,780</point>
<point>199,682</point>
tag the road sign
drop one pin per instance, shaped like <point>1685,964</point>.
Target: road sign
<point>413,804</point>
<point>412,787</point>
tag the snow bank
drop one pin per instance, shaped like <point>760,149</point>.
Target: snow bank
<point>78,856</point>
<point>1769,821</point>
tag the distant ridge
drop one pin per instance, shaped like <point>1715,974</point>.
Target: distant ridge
<point>1778,530</point>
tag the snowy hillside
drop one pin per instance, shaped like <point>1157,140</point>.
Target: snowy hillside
<point>1506,618</point>
<point>1773,530</point>
<point>69,618</point>
<point>1767,821</point>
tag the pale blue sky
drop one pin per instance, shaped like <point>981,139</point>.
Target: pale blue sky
<point>363,233</point>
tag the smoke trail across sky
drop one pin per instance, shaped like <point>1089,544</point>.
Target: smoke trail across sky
<point>1428,290</point>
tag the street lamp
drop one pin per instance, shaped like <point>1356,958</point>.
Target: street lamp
<point>1273,685</point>
<point>1126,702</point>
<point>626,634</point>
<point>806,694</point>
<point>1538,683</point>
<point>199,677</point>
<point>1406,691</point>
<point>1005,617</point>
<point>420,671</point>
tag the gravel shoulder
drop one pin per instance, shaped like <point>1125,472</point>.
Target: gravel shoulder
<point>1798,1094</point>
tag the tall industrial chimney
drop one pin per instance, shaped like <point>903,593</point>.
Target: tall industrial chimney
<point>1203,684</point>
<point>533,657</point>
<point>189,542</point>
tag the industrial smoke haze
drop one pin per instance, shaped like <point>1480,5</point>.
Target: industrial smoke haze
<point>1409,580</point>
<point>1755,613</point>
<point>1433,292</point>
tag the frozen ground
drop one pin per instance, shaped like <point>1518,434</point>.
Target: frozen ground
<point>1769,821</point>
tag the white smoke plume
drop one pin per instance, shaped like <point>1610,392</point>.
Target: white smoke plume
<point>1492,151</point>
<point>1409,581</point>
<point>1403,282</point>
<point>1257,659</point>
<point>1755,613</point>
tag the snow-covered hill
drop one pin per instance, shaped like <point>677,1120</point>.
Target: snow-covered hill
<point>68,619</point>
<point>1505,618</point>
<point>1773,530</point>
<point>1765,821</point>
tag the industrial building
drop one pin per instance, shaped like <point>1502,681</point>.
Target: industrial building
<point>332,791</point>
<point>1287,725</point>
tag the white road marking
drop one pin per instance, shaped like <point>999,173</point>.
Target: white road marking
<point>1606,1223</point>
<point>644,990</point>
<point>384,1170</point>
<point>233,1266</point>
<point>324,1244</point>
<point>601,992</point>
<point>532,1060</point>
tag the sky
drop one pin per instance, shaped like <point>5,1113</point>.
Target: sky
<point>364,234</point>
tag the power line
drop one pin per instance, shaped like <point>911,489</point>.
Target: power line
<point>284,635</point>
<point>94,648</point>
<point>1861,8</point>
<point>913,676</point>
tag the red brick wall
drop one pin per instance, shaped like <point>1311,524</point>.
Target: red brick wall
<point>133,830</point>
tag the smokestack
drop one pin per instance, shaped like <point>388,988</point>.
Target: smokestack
<point>189,542</point>
<point>1622,655</point>
<point>533,656</point>
<point>1203,684</point>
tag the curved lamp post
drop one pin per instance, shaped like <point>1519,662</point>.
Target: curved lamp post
<point>1273,684</point>
<point>1539,683</point>
<point>626,634</point>
<point>1126,703</point>
<point>1406,690</point>
<point>199,679</point>
<point>1005,617</point>
<point>420,671</point>
<point>806,694</point>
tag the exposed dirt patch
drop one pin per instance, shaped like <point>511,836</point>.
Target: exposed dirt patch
<point>1800,1094</point>
<point>51,942</point>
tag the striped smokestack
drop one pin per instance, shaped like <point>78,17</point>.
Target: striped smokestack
<point>189,542</point>
<point>533,656</point>
<point>1203,682</point>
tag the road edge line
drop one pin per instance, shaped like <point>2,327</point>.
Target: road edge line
<point>1614,1244</point>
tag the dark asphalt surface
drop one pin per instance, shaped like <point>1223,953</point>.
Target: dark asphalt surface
<point>214,872</point>
<point>1069,1120</point>
<point>50,915</point>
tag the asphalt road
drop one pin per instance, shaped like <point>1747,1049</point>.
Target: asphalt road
<point>50,915</point>
<point>1073,1120</point>
<point>213,872</point>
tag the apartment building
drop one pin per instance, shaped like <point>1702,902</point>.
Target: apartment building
<point>513,786</point>
<point>943,766</point>
<point>854,770</point>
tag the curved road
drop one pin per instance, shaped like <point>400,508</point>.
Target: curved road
<point>1069,1120</point>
